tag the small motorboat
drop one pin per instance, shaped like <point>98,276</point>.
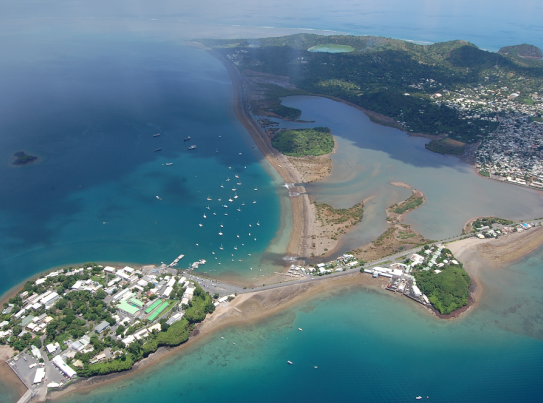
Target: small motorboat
<point>289,362</point>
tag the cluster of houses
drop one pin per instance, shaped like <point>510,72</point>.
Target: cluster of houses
<point>488,232</point>
<point>342,263</point>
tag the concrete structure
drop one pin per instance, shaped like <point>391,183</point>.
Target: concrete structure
<point>70,373</point>
<point>126,307</point>
<point>40,374</point>
<point>101,327</point>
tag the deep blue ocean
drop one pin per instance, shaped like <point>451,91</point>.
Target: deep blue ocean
<point>86,85</point>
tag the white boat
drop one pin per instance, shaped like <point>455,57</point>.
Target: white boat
<point>227,180</point>
<point>201,225</point>
<point>205,215</point>
<point>239,209</point>
<point>289,362</point>
<point>234,189</point>
<point>238,235</point>
<point>316,367</point>
<point>222,226</point>
<point>222,185</point>
<point>235,248</point>
<point>255,189</point>
<point>192,147</point>
<point>239,183</point>
<point>225,205</point>
<point>220,233</point>
<point>300,329</point>
<point>219,199</point>
<point>235,195</point>
<point>221,248</point>
<point>159,198</point>
<point>418,398</point>
<point>230,200</point>
<point>237,176</point>
<point>254,202</point>
<point>169,163</point>
<point>209,198</point>
<point>243,204</point>
<point>214,213</point>
<point>258,223</point>
<point>208,207</point>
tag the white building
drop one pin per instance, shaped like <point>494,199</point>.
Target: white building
<point>70,373</point>
<point>40,374</point>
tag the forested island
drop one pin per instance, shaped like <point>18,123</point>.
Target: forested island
<point>302,142</point>
<point>23,158</point>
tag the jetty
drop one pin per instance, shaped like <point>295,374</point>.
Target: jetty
<point>176,261</point>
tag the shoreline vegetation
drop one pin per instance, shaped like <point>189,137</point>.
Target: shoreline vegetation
<point>398,236</point>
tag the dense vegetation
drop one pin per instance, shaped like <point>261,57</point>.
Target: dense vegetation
<point>523,50</point>
<point>412,203</point>
<point>395,78</point>
<point>300,142</point>
<point>488,221</point>
<point>287,112</point>
<point>444,147</point>
<point>448,289</point>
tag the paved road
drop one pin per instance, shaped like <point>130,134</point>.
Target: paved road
<point>223,288</point>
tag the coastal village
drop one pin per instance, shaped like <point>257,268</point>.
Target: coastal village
<point>90,320</point>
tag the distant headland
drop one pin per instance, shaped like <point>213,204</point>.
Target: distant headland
<point>23,158</point>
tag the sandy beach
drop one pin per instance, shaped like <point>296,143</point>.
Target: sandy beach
<point>302,214</point>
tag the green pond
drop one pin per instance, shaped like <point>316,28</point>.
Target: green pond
<point>331,48</point>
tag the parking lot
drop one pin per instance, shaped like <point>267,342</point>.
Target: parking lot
<point>25,366</point>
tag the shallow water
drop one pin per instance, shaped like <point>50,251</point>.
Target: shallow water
<point>368,345</point>
<point>370,156</point>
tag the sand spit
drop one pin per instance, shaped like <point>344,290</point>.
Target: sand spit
<point>303,216</point>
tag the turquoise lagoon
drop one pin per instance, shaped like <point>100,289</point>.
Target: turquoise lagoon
<point>368,345</point>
